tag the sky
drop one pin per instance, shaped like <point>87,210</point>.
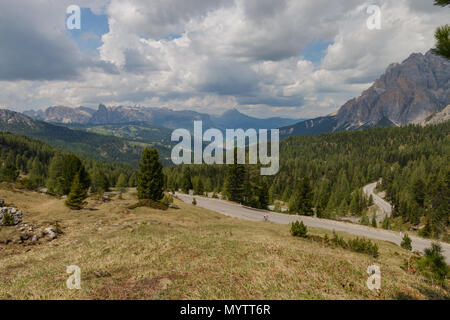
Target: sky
<point>290,58</point>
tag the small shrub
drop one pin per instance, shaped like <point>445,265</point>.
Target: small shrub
<point>426,231</point>
<point>433,266</point>
<point>364,220</point>
<point>58,228</point>
<point>298,229</point>
<point>406,242</point>
<point>339,241</point>
<point>168,199</point>
<point>386,224</point>
<point>362,245</point>
<point>374,221</point>
<point>7,219</point>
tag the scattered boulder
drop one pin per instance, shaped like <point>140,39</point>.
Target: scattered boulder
<point>10,216</point>
<point>51,233</point>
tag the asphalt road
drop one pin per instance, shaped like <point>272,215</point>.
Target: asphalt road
<point>380,202</point>
<point>237,211</point>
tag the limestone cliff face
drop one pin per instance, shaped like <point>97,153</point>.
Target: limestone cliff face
<point>406,93</point>
<point>61,114</point>
<point>439,117</point>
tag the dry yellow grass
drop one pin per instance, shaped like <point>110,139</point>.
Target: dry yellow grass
<point>189,253</point>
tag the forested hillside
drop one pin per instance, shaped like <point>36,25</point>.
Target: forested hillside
<point>324,175</point>
<point>36,164</point>
<point>87,144</point>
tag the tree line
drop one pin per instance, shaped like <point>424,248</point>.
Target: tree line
<point>37,165</point>
<point>324,175</point>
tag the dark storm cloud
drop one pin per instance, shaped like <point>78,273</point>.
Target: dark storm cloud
<point>29,52</point>
<point>228,78</point>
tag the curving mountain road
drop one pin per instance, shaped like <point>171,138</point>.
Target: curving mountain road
<point>380,202</point>
<point>238,211</point>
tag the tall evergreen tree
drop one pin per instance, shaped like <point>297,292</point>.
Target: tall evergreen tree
<point>234,181</point>
<point>150,176</point>
<point>37,173</point>
<point>77,194</point>
<point>122,182</point>
<point>301,201</point>
<point>419,192</point>
<point>72,165</point>
<point>99,182</point>
<point>199,189</point>
<point>55,183</point>
<point>9,172</point>
<point>262,192</point>
<point>186,183</point>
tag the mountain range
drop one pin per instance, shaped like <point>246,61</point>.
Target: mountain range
<point>407,93</point>
<point>88,144</point>
<point>160,117</point>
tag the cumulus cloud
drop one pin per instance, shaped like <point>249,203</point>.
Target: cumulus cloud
<point>209,55</point>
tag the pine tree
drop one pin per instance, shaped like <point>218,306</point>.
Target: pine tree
<point>72,166</point>
<point>150,176</point>
<point>199,190</point>
<point>100,182</point>
<point>186,183</point>
<point>374,220</point>
<point>301,201</point>
<point>37,173</point>
<point>55,183</point>
<point>364,220</point>
<point>77,194</point>
<point>419,191</point>
<point>370,203</point>
<point>442,34</point>
<point>406,242</point>
<point>262,192</point>
<point>234,181</point>
<point>122,182</point>
<point>386,224</point>
<point>9,172</point>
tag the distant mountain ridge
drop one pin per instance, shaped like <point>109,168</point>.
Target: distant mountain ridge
<point>161,117</point>
<point>406,93</point>
<point>97,146</point>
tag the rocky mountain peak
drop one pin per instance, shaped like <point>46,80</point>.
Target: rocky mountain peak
<point>408,92</point>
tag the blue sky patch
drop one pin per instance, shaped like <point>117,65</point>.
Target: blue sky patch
<point>93,27</point>
<point>316,51</point>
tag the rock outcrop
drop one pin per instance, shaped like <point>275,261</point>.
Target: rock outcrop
<point>10,216</point>
<point>406,93</point>
<point>439,117</point>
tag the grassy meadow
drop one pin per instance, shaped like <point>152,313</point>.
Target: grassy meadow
<point>186,253</point>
